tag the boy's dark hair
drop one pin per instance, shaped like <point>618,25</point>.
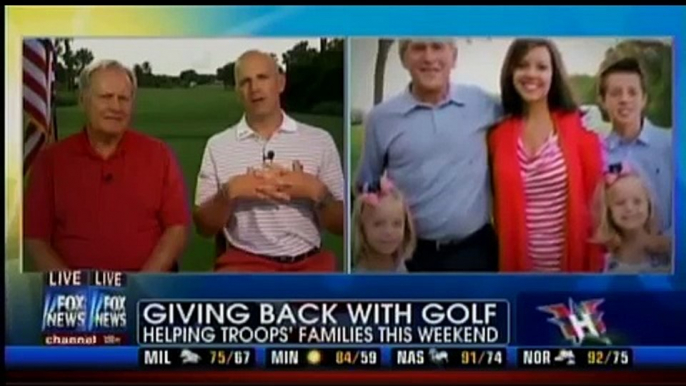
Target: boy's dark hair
<point>625,65</point>
<point>560,96</point>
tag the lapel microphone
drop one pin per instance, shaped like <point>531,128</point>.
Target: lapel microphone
<point>269,156</point>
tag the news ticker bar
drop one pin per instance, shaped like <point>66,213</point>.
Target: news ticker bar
<point>324,358</point>
<point>362,357</point>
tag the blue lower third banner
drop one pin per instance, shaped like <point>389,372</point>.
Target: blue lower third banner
<point>344,357</point>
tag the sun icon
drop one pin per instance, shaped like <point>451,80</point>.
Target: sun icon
<point>314,357</point>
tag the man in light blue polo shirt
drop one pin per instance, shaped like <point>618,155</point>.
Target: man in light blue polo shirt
<point>636,140</point>
<point>431,140</point>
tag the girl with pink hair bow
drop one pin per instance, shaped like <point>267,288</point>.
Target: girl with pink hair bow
<point>626,223</point>
<point>384,236</point>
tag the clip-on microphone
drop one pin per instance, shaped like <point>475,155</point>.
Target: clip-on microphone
<point>270,155</point>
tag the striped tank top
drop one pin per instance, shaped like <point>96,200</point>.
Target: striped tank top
<point>544,175</point>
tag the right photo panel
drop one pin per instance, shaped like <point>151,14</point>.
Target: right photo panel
<point>514,155</point>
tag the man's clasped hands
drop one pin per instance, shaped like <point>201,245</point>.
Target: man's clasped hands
<point>274,182</point>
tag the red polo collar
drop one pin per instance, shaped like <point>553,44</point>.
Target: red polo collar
<point>86,147</point>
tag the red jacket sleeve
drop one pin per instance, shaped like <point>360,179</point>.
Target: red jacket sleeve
<point>39,199</point>
<point>592,164</point>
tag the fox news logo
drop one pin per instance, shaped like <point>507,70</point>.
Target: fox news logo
<point>109,311</point>
<point>579,322</point>
<point>65,311</point>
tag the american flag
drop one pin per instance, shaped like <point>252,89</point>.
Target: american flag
<point>38,65</point>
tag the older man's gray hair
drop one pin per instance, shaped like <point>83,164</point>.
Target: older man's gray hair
<point>404,44</point>
<point>86,75</point>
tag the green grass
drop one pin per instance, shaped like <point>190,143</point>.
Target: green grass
<point>185,119</point>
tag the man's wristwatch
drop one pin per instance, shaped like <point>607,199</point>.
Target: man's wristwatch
<point>324,200</point>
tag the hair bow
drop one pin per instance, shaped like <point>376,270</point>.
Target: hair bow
<point>617,170</point>
<point>374,191</point>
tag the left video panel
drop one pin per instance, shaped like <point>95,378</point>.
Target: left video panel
<point>190,155</point>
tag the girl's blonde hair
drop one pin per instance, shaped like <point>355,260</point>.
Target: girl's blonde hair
<point>606,231</point>
<point>361,247</point>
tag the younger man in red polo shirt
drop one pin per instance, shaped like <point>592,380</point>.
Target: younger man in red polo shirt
<point>107,198</point>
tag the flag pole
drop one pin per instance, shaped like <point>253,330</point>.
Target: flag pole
<point>52,81</point>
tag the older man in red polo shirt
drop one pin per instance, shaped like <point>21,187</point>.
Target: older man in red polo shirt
<point>107,198</point>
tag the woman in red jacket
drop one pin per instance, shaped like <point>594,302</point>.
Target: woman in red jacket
<point>545,166</point>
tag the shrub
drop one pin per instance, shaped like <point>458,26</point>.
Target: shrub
<point>328,108</point>
<point>66,99</point>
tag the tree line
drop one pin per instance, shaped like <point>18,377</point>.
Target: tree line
<point>70,63</point>
<point>314,75</point>
<point>655,58</point>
